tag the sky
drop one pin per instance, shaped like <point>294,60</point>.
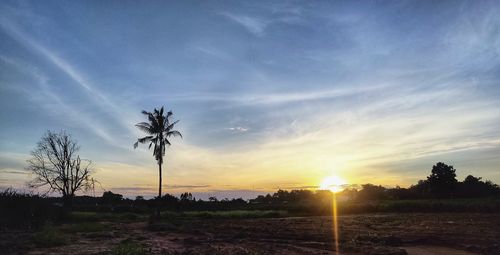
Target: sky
<point>270,94</point>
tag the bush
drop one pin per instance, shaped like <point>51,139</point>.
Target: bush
<point>240,214</point>
<point>26,210</point>
<point>86,227</point>
<point>49,237</point>
<point>105,216</point>
<point>128,248</point>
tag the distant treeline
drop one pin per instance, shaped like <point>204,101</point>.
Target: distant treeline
<point>439,192</point>
<point>441,184</point>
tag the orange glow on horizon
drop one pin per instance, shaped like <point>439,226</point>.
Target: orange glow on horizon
<point>333,183</point>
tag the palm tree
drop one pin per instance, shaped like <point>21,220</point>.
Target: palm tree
<point>159,128</point>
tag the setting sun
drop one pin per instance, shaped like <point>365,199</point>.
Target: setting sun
<point>333,183</point>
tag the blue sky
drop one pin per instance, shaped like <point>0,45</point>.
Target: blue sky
<point>269,94</point>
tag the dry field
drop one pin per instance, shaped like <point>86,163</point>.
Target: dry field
<point>359,234</point>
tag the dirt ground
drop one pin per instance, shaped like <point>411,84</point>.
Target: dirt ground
<point>458,234</point>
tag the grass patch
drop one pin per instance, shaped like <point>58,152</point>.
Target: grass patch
<point>49,237</point>
<point>444,205</point>
<point>100,216</point>
<point>237,214</point>
<point>423,205</point>
<point>177,221</point>
<point>233,214</point>
<point>128,248</point>
<point>85,227</point>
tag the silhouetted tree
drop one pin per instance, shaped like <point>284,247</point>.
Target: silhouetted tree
<point>169,198</point>
<point>420,190</point>
<point>56,165</point>
<point>471,180</point>
<point>371,192</point>
<point>475,187</point>
<point>187,197</point>
<point>109,197</point>
<point>158,129</point>
<point>348,193</point>
<point>442,181</point>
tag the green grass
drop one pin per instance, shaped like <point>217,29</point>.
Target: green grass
<point>423,205</point>
<point>128,248</point>
<point>49,237</point>
<point>238,214</point>
<point>444,205</point>
<point>100,216</point>
<point>177,220</point>
<point>233,214</point>
<point>85,227</point>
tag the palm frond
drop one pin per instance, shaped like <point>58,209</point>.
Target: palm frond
<point>166,141</point>
<point>171,125</point>
<point>144,124</point>
<point>145,129</point>
<point>169,114</point>
<point>158,126</point>
<point>153,120</point>
<point>145,139</point>
<point>174,133</point>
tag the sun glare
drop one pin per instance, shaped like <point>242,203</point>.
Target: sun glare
<point>333,183</point>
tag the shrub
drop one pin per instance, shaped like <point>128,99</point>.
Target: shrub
<point>86,227</point>
<point>128,247</point>
<point>26,210</point>
<point>49,237</point>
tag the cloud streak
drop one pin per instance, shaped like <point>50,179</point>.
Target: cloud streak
<point>278,98</point>
<point>95,95</point>
<point>256,26</point>
<point>54,103</point>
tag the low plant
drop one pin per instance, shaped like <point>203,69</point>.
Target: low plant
<point>86,227</point>
<point>49,237</point>
<point>128,247</point>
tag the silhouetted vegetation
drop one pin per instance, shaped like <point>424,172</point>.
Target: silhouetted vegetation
<point>57,166</point>
<point>128,247</point>
<point>27,210</point>
<point>158,129</point>
<point>470,195</point>
<point>442,183</point>
<point>49,237</point>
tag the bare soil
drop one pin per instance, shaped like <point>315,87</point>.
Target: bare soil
<point>454,234</point>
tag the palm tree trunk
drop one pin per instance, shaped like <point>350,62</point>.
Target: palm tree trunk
<point>159,188</point>
<point>158,209</point>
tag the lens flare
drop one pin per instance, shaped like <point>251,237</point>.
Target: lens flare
<point>335,184</point>
<point>335,224</point>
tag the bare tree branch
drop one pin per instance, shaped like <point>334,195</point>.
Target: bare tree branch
<point>55,164</point>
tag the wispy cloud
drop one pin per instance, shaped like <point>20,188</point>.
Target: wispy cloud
<point>94,94</point>
<point>238,129</point>
<point>54,103</point>
<point>13,171</point>
<point>254,25</point>
<point>13,161</point>
<point>186,186</point>
<point>210,51</point>
<point>278,98</point>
